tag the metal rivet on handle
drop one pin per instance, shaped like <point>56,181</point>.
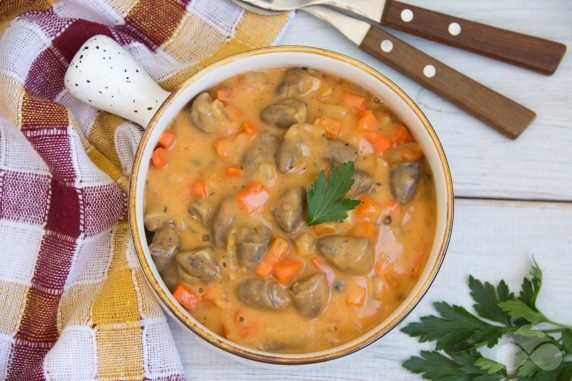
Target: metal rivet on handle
<point>429,71</point>
<point>454,29</point>
<point>407,15</point>
<point>386,46</point>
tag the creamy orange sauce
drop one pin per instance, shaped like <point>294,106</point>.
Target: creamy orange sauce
<point>402,236</point>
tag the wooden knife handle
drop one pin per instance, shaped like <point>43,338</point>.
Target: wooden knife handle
<point>498,111</point>
<point>530,52</point>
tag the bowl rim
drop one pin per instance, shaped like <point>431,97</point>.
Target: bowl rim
<point>197,328</point>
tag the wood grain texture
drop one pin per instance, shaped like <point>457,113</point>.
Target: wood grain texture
<point>484,163</point>
<point>491,240</point>
<point>519,49</point>
<point>496,110</point>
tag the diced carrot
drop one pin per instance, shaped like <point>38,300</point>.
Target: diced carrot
<point>378,141</point>
<point>412,154</point>
<point>367,210</point>
<point>286,270</point>
<point>364,229</point>
<point>278,248</point>
<point>160,158</point>
<point>391,205</point>
<point>223,147</point>
<point>327,270</point>
<point>249,129</point>
<point>357,102</point>
<point>418,265</point>
<point>332,126</point>
<point>402,135</point>
<point>225,95</point>
<point>186,297</point>
<point>355,294</point>
<point>233,172</point>
<point>367,121</point>
<point>246,323</point>
<point>167,139</point>
<point>200,190</point>
<point>252,198</point>
<point>325,228</point>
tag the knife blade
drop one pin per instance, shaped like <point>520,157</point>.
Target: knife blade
<point>496,110</point>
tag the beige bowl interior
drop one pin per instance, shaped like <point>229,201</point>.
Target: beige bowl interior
<point>332,63</point>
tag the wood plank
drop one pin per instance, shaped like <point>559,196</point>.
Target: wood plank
<point>491,240</point>
<point>484,163</point>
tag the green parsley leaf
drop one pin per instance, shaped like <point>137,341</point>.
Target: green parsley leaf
<point>544,347</point>
<point>527,369</point>
<point>490,366</point>
<point>456,329</point>
<point>567,340</point>
<point>547,356</point>
<point>562,373</point>
<point>531,287</point>
<point>487,299</point>
<point>324,198</point>
<point>460,366</point>
<point>518,309</point>
<point>528,339</point>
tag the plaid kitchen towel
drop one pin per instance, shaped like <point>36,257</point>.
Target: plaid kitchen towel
<point>73,301</point>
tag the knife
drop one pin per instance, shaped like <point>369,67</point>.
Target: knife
<point>529,52</point>
<point>494,109</point>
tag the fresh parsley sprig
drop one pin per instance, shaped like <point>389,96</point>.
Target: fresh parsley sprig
<point>544,347</point>
<point>325,197</point>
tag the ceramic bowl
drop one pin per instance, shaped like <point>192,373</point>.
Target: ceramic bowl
<point>104,75</point>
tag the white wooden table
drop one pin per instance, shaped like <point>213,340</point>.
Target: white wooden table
<point>513,198</point>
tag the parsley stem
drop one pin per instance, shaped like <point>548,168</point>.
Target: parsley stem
<point>562,326</point>
<point>555,330</point>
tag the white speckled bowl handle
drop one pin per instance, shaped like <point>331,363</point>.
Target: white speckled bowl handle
<point>104,75</point>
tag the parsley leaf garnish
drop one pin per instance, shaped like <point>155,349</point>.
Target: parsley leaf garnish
<point>454,330</point>
<point>325,197</point>
<point>467,365</point>
<point>544,347</point>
